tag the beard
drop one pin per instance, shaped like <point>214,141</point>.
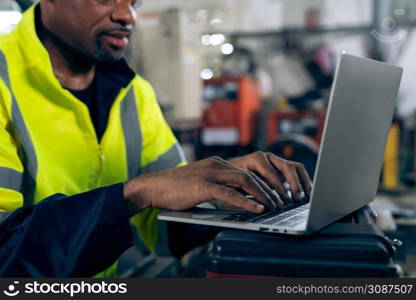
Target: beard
<point>103,55</point>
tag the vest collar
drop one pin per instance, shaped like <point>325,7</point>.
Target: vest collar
<point>29,42</point>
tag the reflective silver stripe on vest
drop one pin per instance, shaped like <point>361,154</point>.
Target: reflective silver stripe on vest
<point>3,216</point>
<point>132,133</point>
<point>170,159</point>
<point>30,162</point>
<point>10,179</point>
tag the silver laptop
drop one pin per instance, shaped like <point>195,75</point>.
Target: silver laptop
<point>346,178</point>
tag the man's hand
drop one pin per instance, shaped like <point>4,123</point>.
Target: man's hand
<point>202,181</point>
<point>274,170</point>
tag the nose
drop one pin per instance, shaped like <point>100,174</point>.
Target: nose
<point>124,13</point>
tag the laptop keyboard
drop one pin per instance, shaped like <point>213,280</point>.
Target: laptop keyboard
<point>290,216</point>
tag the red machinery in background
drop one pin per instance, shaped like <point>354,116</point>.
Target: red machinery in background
<point>295,135</point>
<point>234,124</point>
<point>282,123</point>
<point>230,110</point>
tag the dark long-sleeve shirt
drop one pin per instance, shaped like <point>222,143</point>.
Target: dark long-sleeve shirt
<point>77,236</point>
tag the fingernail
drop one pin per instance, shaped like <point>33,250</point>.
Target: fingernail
<point>301,196</point>
<point>279,201</point>
<point>275,194</point>
<point>279,197</point>
<point>270,201</point>
<point>286,197</point>
<point>259,208</point>
<point>286,185</point>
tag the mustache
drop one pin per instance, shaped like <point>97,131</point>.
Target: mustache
<point>125,30</point>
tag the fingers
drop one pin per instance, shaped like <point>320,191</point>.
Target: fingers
<point>305,180</point>
<point>247,181</point>
<point>270,169</point>
<point>289,171</point>
<point>274,195</point>
<point>231,196</point>
<point>268,172</point>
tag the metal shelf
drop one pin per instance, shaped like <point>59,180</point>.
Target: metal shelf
<point>296,31</point>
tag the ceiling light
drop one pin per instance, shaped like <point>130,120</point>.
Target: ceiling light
<point>227,49</point>
<point>207,74</point>
<point>217,39</point>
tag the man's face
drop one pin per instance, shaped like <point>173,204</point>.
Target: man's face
<point>99,29</point>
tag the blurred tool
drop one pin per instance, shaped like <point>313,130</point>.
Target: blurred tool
<point>391,160</point>
<point>295,135</point>
<point>230,108</point>
<point>298,148</point>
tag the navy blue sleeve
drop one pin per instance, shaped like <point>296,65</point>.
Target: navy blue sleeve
<point>77,236</point>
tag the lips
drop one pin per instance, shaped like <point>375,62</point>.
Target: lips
<point>117,39</point>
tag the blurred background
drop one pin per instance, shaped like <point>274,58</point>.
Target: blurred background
<point>236,76</point>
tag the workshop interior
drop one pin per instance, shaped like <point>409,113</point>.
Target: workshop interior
<point>234,77</point>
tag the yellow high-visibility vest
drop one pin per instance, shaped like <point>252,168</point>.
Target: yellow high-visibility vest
<point>48,143</point>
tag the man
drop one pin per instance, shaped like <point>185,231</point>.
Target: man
<point>76,124</point>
